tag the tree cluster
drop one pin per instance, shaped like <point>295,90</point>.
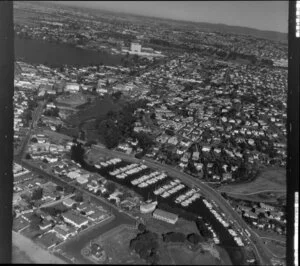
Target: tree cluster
<point>37,194</point>
<point>52,112</point>
<point>174,237</point>
<point>110,187</point>
<point>192,238</point>
<point>78,197</point>
<point>146,245</point>
<point>77,152</point>
<point>118,126</point>
<point>56,210</point>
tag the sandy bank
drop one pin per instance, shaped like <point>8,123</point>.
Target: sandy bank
<point>31,251</point>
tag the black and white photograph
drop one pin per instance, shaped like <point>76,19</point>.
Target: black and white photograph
<point>148,132</point>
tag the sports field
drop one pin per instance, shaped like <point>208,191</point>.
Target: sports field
<point>72,100</point>
<point>98,109</point>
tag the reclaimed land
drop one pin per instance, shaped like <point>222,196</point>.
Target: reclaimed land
<point>270,180</point>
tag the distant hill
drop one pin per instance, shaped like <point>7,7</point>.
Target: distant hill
<point>205,26</point>
<point>271,35</point>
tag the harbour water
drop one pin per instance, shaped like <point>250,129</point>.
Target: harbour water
<point>52,54</point>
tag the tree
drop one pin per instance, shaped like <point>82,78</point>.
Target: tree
<point>194,238</point>
<point>107,83</point>
<point>145,244</point>
<point>153,116</point>
<point>174,237</point>
<point>110,187</point>
<point>144,140</point>
<point>78,197</point>
<point>141,227</point>
<point>69,189</point>
<point>34,140</point>
<point>59,188</point>
<point>191,167</point>
<point>35,221</point>
<point>28,156</point>
<point>170,132</point>
<point>37,193</point>
<point>117,95</point>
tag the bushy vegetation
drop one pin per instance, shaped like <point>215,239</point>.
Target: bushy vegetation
<point>146,245</point>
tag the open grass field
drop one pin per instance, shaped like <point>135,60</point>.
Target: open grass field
<point>94,156</point>
<point>269,180</point>
<point>72,100</point>
<point>276,248</point>
<point>272,235</point>
<point>260,197</point>
<point>116,246</point>
<point>56,137</point>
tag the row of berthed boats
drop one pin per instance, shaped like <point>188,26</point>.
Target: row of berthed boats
<point>167,190</point>
<point>188,197</point>
<point>236,238</point>
<point>123,172</point>
<point>147,180</point>
<point>113,161</point>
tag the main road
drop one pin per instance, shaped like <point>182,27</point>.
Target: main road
<point>36,114</point>
<point>263,255</point>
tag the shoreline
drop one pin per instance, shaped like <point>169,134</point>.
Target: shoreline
<point>25,250</point>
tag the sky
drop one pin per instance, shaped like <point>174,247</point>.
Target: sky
<point>263,15</point>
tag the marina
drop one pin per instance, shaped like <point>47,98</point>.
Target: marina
<point>197,206</point>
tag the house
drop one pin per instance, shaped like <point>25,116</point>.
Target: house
<point>49,240</point>
<point>69,202</point>
<point>227,176</point>
<point>63,232</point>
<point>74,219</point>
<point>205,148</point>
<point>173,140</point>
<point>72,87</point>
<point>45,225</point>
<point>199,166</point>
<point>195,155</point>
<point>97,215</point>
<point>266,206</point>
<point>83,206</point>
<point>73,175</point>
<point>82,180</point>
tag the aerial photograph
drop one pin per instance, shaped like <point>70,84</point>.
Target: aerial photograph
<point>150,132</point>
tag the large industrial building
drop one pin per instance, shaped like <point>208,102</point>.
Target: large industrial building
<point>135,47</point>
<point>165,216</point>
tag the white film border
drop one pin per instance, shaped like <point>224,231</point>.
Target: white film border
<point>298,19</point>
<point>296,229</point>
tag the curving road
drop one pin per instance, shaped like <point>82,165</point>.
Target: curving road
<point>253,193</point>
